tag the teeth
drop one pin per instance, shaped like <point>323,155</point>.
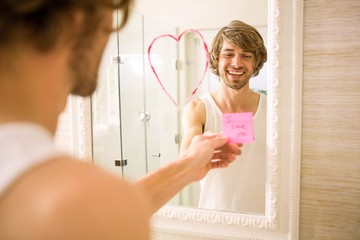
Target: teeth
<point>235,73</point>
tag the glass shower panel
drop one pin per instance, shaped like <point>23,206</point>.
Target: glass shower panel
<point>118,133</point>
<point>162,126</point>
<point>133,119</point>
<point>132,97</point>
<point>105,112</point>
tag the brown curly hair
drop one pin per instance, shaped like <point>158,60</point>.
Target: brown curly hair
<point>41,22</point>
<point>245,37</point>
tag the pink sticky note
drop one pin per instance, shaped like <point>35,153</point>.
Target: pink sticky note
<point>238,127</point>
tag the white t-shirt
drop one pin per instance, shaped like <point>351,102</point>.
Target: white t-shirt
<point>22,146</point>
<point>241,186</point>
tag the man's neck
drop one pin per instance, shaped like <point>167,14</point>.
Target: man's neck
<point>242,100</point>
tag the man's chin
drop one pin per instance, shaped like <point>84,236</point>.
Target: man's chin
<point>83,91</point>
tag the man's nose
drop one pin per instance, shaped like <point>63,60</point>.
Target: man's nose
<point>236,62</point>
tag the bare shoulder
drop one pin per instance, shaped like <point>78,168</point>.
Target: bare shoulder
<point>69,199</point>
<point>195,110</point>
<point>196,104</point>
<point>193,122</point>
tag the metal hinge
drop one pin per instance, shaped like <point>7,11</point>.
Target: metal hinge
<point>177,138</point>
<point>116,60</point>
<point>177,64</point>
<point>121,163</point>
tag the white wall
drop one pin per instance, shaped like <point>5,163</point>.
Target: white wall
<point>202,14</point>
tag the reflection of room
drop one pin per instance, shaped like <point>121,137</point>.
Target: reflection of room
<point>157,135</point>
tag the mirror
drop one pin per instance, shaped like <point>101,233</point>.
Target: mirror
<point>136,117</point>
<point>280,220</point>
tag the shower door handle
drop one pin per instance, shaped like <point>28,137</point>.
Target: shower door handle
<point>156,155</point>
<point>144,116</point>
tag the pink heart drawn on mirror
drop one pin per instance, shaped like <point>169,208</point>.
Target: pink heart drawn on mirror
<point>177,39</point>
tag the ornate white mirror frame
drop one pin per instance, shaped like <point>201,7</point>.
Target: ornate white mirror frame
<point>285,27</point>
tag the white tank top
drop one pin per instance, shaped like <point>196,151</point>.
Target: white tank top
<point>241,186</point>
<point>22,146</point>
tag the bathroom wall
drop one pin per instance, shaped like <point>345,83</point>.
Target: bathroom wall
<point>330,162</point>
<point>204,14</point>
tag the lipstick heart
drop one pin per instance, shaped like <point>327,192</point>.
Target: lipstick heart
<point>177,39</point>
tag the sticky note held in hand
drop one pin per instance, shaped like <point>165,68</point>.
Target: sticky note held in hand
<point>238,127</point>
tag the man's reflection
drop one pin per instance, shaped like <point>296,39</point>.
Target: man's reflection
<point>237,53</point>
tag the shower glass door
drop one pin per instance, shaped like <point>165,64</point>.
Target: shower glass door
<point>135,125</point>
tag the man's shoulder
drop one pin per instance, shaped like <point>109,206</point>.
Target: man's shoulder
<point>67,192</point>
<point>195,104</point>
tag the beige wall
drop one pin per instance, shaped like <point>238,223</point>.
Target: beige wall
<point>330,164</point>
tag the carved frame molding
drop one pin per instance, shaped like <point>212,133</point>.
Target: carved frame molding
<point>285,27</point>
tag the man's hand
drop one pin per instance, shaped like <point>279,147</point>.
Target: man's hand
<point>208,151</point>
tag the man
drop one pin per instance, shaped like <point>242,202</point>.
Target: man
<point>49,49</point>
<point>237,53</point>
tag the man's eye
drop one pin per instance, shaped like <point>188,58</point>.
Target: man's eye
<point>228,55</point>
<point>247,56</point>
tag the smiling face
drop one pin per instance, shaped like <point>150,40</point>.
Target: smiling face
<point>233,43</point>
<point>236,66</point>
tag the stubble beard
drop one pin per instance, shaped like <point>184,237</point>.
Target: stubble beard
<point>84,79</point>
<point>84,69</point>
<point>235,85</point>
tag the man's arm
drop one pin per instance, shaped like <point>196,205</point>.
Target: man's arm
<point>204,153</point>
<point>199,154</point>
<point>68,199</point>
<point>193,120</point>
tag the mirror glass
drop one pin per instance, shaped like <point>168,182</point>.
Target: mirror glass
<point>136,117</point>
